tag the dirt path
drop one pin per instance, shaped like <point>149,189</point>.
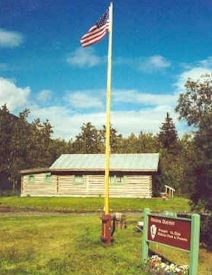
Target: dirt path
<point>7,211</point>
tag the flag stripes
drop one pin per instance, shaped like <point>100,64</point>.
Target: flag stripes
<point>96,32</point>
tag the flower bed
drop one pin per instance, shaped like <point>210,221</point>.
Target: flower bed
<point>155,265</point>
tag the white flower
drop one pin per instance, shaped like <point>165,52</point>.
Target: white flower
<point>160,266</point>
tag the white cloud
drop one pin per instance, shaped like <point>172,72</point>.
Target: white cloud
<point>149,64</point>
<point>10,39</point>
<point>67,119</point>
<point>148,120</point>
<point>206,63</point>
<point>12,95</point>
<point>193,73</point>
<point>154,63</point>
<point>44,95</point>
<point>59,116</point>
<point>84,57</point>
<point>84,99</point>
<point>136,97</point>
<point>66,123</point>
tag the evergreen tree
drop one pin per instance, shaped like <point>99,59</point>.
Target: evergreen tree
<point>187,157</point>
<point>7,123</point>
<point>22,145</point>
<point>148,143</point>
<point>39,143</point>
<point>114,139</point>
<point>129,145</point>
<point>87,142</point>
<point>168,134</point>
<point>58,147</point>
<point>171,170</point>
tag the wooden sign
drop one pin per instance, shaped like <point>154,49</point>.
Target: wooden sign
<point>169,231</point>
<point>173,231</point>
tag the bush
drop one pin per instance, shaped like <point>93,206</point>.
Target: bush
<point>205,231</point>
<point>9,193</point>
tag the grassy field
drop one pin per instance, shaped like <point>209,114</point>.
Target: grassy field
<point>37,240</point>
<point>93,204</point>
<point>65,245</point>
<point>69,244</point>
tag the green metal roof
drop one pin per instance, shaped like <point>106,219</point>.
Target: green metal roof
<point>96,162</point>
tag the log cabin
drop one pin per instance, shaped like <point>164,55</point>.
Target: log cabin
<point>82,175</point>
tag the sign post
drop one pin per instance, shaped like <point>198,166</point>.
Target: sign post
<point>195,230</point>
<point>145,244</point>
<point>170,230</point>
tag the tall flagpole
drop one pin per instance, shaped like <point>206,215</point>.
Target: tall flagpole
<point>107,147</point>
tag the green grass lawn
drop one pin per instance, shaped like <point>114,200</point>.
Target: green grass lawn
<point>94,204</point>
<point>65,245</point>
<point>71,245</point>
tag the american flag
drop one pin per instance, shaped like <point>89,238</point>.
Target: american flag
<point>96,32</point>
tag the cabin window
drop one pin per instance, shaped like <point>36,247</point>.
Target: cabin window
<point>117,180</point>
<point>48,178</point>
<point>79,180</point>
<point>31,178</point>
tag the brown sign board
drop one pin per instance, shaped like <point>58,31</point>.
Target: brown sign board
<point>169,231</point>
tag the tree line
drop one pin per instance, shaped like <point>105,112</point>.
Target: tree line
<point>185,162</point>
<point>30,145</point>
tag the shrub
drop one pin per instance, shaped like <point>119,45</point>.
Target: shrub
<point>205,231</point>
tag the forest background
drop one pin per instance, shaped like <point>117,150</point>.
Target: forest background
<point>185,162</point>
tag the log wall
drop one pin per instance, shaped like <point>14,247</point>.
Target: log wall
<point>131,186</point>
<point>38,185</point>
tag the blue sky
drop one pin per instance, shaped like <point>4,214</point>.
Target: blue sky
<point>157,45</point>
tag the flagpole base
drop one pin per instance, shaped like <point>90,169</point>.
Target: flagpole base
<point>106,236</point>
